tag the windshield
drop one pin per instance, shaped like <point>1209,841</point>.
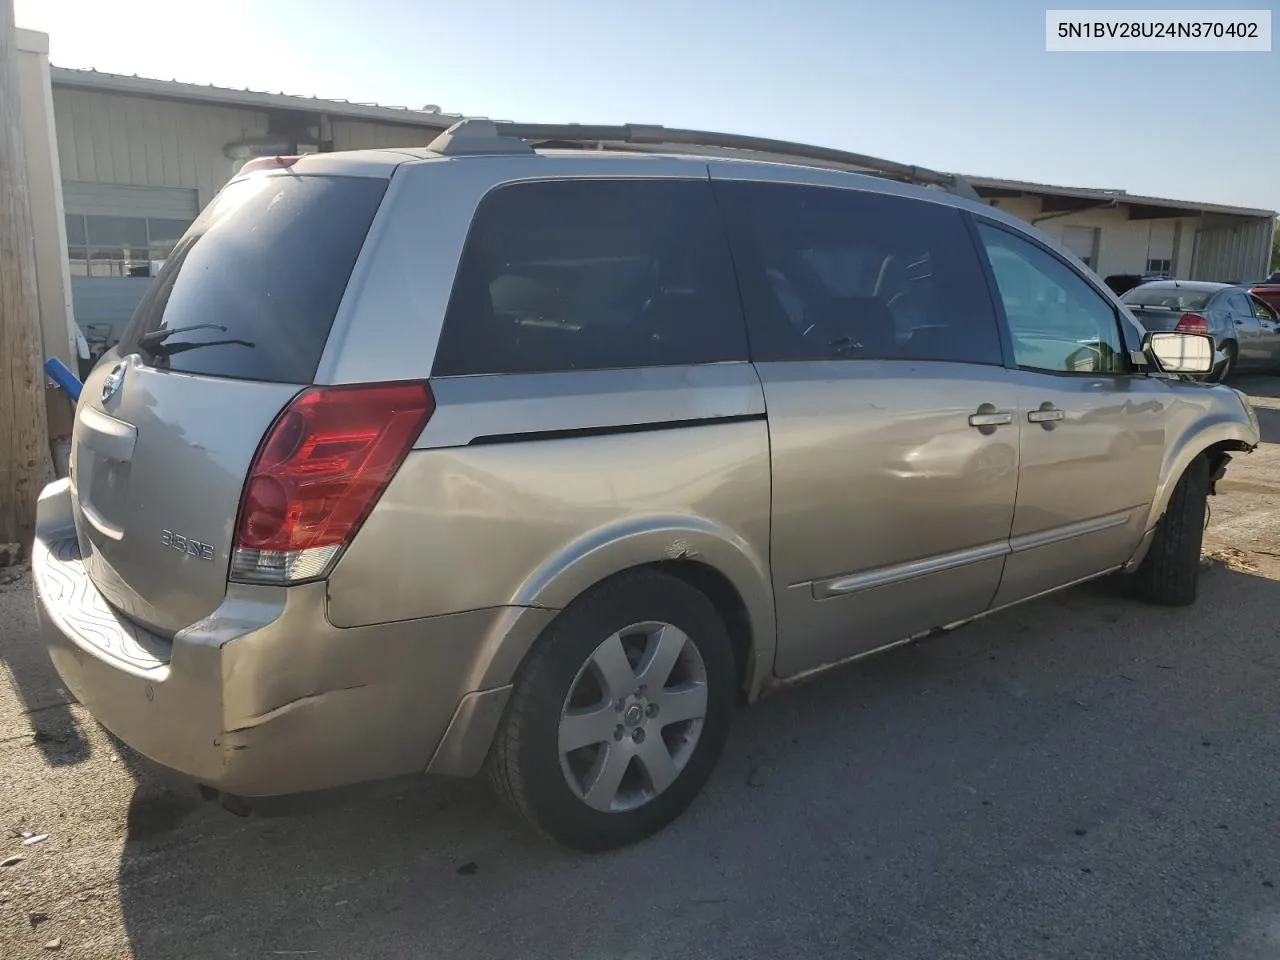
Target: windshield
<point>1168,297</point>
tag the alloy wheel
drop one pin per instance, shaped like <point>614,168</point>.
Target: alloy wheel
<point>633,716</point>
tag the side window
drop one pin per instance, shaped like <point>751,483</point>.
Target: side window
<point>592,275</point>
<point>1239,304</point>
<point>1057,321</point>
<point>1261,310</point>
<point>835,274</point>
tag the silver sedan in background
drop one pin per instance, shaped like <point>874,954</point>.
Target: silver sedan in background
<point>1245,328</point>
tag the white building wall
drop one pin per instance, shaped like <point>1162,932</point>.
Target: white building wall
<point>108,138</point>
<point>1127,244</point>
<point>1123,244</point>
<point>362,135</point>
<point>1025,208</point>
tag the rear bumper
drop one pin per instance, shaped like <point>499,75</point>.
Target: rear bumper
<point>264,696</point>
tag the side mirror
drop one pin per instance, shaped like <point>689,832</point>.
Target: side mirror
<point>1180,352</point>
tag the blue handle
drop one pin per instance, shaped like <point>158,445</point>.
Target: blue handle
<point>61,374</point>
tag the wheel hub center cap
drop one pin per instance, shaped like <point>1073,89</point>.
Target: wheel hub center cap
<point>633,715</point>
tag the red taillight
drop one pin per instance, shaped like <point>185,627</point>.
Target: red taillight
<point>1192,323</point>
<point>318,473</point>
<point>269,163</point>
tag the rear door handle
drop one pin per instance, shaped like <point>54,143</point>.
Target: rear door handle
<point>999,418</point>
<point>1046,416</point>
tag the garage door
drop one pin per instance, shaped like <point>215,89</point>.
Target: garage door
<point>117,238</point>
<point>1161,243</point>
<point>1083,242</point>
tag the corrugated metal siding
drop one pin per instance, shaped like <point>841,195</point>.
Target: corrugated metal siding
<point>1233,253</point>
<point>106,138</point>
<point>355,135</point>
<point>1184,256</point>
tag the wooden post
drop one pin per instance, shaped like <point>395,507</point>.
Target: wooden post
<point>25,461</point>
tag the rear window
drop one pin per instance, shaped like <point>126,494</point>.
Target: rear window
<point>1168,297</point>
<point>592,275</point>
<point>259,276</point>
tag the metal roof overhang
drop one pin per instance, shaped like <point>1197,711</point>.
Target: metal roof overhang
<point>223,96</point>
<point>1066,199</point>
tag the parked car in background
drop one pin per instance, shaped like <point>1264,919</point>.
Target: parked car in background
<point>1268,291</point>
<point>537,460</point>
<point>1245,327</point>
<point>1121,283</point>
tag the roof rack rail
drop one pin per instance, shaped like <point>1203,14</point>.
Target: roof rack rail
<point>476,136</point>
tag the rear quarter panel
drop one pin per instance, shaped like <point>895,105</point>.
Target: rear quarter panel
<point>533,522</point>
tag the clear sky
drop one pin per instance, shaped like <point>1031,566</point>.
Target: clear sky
<point>958,86</point>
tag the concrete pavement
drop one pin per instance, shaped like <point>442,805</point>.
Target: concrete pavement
<point>1082,776</point>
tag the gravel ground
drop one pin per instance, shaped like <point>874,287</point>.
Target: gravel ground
<point>1078,777</point>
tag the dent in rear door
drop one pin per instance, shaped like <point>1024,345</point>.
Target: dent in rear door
<point>891,513</point>
<point>891,417</point>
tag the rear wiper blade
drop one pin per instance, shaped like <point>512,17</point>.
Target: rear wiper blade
<point>169,349</point>
<point>148,340</point>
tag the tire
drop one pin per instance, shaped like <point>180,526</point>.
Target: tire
<point>1228,367</point>
<point>1170,571</point>
<point>565,680</point>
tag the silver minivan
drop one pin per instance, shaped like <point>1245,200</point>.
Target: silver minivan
<point>535,450</point>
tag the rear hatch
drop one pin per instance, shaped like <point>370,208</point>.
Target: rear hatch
<point>1155,319</point>
<point>168,424</point>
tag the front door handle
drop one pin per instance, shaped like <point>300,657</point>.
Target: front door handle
<point>996,419</point>
<point>1046,415</point>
